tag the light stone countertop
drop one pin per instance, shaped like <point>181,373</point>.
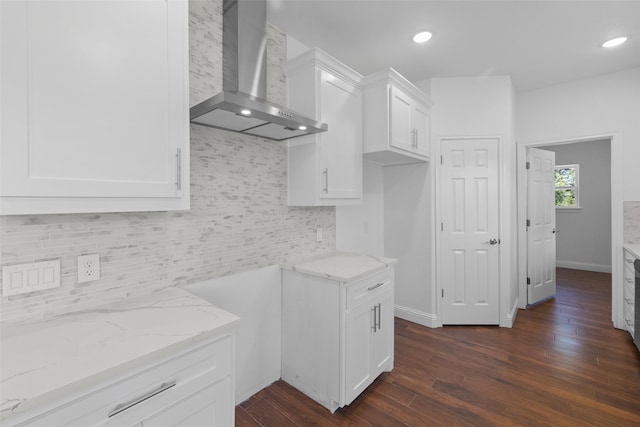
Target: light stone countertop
<point>340,266</point>
<point>634,248</point>
<point>51,358</point>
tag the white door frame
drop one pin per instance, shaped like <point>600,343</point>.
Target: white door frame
<point>617,217</point>
<point>507,314</point>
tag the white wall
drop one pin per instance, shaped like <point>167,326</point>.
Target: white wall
<point>360,229</point>
<point>484,106</point>
<point>407,237</point>
<point>584,240</point>
<point>596,106</point>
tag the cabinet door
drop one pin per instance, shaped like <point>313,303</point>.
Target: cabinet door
<point>420,121</point>
<point>95,98</point>
<point>382,339</point>
<point>401,132</point>
<point>358,337</point>
<point>212,406</point>
<point>340,148</point>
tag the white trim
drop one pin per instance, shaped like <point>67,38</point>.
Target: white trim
<point>417,316</point>
<point>504,205</point>
<point>511,316</point>
<point>600,268</point>
<point>617,215</point>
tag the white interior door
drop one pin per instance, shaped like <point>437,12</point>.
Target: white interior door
<point>541,223</point>
<point>469,201</point>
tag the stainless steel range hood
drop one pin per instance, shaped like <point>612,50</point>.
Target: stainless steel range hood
<point>241,106</point>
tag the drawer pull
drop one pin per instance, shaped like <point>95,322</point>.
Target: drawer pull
<point>376,286</point>
<point>124,406</point>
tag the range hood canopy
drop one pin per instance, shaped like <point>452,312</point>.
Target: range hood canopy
<point>241,106</point>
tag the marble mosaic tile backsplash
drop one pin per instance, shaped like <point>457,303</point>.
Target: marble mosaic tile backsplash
<point>632,222</point>
<point>238,220</point>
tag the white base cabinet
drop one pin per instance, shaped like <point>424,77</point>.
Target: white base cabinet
<point>193,387</point>
<point>337,337</point>
<point>325,169</point>
<point>94,109</point>
<point>628,292</point>
<point>396,120</point>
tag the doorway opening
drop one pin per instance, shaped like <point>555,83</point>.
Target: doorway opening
<point>570,253</point>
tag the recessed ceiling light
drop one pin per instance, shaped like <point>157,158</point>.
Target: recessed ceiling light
<point>614,42</point>
<point>422,37</point>
<point>245,112</point>
<point>302,127</point>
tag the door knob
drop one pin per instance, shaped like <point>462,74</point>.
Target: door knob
<point>555,231</point>
<point>493,242</point>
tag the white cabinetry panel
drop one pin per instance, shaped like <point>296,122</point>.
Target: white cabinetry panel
<point>94,106</point>
<point>396,120</point>
<point>325,169</point>
<point>337,336</point>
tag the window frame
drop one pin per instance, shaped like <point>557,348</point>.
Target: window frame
<point>575,187</point>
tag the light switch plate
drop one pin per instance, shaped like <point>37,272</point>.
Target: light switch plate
<point>24,278</point>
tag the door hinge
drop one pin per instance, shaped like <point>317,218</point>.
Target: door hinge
<point>528,223</point>
<point>528,280</point>
<point>528,165</point>
<point>442,293</point>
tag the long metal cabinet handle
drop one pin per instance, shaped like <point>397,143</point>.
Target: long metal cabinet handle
<point>376,286</point>
<point>374,319</point>
<point>416,139</point>
<point>124,406</point>
<point>379,316</point>
<point>178,169</point>
<point>325,173</point>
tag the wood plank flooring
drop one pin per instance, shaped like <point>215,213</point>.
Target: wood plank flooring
<point>562,364</point>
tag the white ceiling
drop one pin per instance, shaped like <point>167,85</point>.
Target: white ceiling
<point>538,43</point>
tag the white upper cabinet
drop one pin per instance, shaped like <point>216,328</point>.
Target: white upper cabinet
<point>94,109</point>
<point>396,120</point>
<point>325,169</point>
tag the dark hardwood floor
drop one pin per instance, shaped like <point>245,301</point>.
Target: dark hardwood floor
<point>562,364</point>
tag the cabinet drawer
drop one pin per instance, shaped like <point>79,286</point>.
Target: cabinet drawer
<point>144,390</point>
<point>362,289</point>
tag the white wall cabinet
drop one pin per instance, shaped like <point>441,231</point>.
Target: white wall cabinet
<point>325,169</point>
<point>628,293</point>
<point>396,120</point>
<point>94,106</point>
<point>193,387</point>
<point>337,337</point>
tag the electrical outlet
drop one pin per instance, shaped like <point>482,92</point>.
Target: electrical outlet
<point>88,268</point>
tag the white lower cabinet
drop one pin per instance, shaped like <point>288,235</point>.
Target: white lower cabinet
<point>337,337</point>
<point>192,387</point>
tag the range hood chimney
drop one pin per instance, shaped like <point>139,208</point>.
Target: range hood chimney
<point>241,106</point>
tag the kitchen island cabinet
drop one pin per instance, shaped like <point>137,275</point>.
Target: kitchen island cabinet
<point>325,169</point>
<point>94,106</point>
<point>337,325</point>
<point>396,120</point>
<point>164,359</point>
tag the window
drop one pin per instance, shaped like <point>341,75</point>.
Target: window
<point>567,189</point>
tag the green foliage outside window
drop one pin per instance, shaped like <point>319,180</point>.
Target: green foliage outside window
<point>566,182</point>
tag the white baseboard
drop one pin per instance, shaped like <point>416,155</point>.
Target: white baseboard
<point>412,315</point>
<point>511,316</point>
<point>584,266</point>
